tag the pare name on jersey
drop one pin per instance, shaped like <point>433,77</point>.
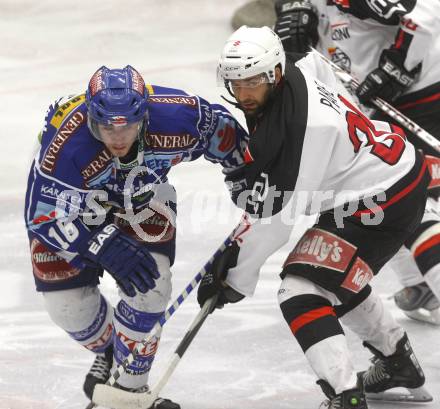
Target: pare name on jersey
<point>327,97</point>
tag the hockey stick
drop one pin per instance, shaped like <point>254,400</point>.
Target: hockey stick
<point>384,106</point>
<point>108,396</point>
<point>165,317</point>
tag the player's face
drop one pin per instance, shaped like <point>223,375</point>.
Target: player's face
<point>251,93</point>
<point>119,139</point>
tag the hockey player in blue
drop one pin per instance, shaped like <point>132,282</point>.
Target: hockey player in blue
<point>98,199</point>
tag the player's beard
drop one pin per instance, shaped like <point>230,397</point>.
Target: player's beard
<point>257,106</point>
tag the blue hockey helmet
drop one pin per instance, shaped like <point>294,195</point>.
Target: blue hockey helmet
<point>116,97</point>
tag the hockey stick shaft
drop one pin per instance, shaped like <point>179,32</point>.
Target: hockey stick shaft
<point>182,347</point>
<point>385,106</point>
<point>165,317</point>
<point>107,396</point>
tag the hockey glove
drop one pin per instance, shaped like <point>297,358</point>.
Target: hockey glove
<point>296,25</point>
<point>124,258</point>
<point>236,184</point>
<point>213,281</point>
<point>388,81</point>
<point>387,12</point>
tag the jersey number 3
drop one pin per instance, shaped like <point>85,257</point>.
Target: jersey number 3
<point>387,146</point>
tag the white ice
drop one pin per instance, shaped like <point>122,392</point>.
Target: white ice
<point>244,356</point>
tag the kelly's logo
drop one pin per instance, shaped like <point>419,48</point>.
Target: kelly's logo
<point>321,248</point>
<point>358,277</point>
<point>434,169</point>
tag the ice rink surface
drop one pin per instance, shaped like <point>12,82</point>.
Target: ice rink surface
<point>244,356</point>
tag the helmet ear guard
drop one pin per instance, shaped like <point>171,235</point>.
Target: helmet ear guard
<point>251,51</point>
<point>116,97</point>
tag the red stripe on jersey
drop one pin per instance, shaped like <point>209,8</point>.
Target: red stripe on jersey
<point>398,130</point>
<point>247,156</point>
<point>426,245</point>
<point>242,228</point>
<point>343,3</point>
<point>310,316</point>
<point>399,39</point>
<point>412,104</point>
<point>397,196</point>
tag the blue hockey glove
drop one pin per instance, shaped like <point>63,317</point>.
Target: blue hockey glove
<point>388,81</point>
<point>296,25</point>
<point>213,281</point>
<point>124,258</point>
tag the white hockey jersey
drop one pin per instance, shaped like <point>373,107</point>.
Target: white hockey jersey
<point>356,44</point>
<point>341,156</point>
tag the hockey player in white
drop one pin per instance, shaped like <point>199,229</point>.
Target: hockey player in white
<point>311,150</point>
<point>393,47</point>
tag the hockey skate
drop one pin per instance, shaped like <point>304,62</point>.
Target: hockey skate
<point>99,372</point>
<point>159,403</point>
<point>398,370</point>
<point>419,303</point>
<point>349,399</point>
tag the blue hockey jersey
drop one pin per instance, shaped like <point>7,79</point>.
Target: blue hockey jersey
<point>72,168</point>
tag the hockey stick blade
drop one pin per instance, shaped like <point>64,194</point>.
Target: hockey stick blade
<point>111,397</point>
<point>417,395</point>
